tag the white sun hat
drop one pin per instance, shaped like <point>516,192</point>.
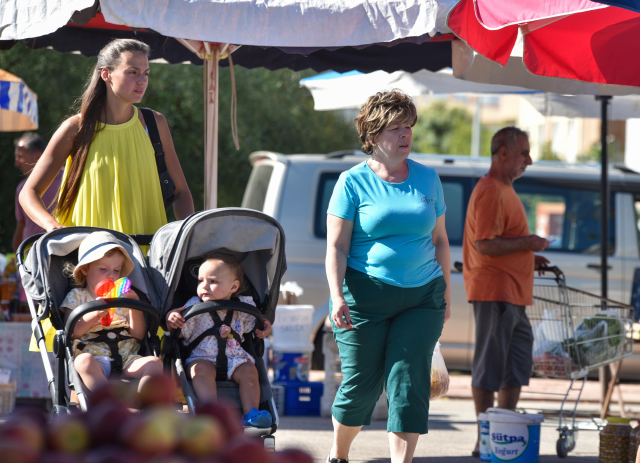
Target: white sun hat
<point>95,246</point>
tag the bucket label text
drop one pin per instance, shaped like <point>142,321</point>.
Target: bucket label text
<point>510,443</point>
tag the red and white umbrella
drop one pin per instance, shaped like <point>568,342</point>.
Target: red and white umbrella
<point>566,39</point>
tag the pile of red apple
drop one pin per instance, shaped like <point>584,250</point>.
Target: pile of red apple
<point>113,432</point>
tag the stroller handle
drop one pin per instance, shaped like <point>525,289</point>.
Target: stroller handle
<point>112,303</point>
<point>22,249</point>
<point>237,306</point>
<point>141,240</point>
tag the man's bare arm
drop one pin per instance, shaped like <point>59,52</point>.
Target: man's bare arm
<point>499,246</point>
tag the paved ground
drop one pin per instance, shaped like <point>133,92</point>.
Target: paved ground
<point>450,440</point>
<point>453,428</point>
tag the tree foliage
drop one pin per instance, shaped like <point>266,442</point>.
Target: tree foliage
<point>274,113</point>
<point>442,129</point>
<point>547,153</point>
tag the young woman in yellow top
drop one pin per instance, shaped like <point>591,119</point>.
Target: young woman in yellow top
<point>111,179</point>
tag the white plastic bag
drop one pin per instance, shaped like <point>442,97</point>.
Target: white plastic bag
<point>439,375</point>
<point>550,328</point>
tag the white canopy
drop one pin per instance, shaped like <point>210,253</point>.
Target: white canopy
<point>23,19</point>
<point>212,28</point>
<point>284,23</point>
<point>551,104</point>
<point>333,91</point>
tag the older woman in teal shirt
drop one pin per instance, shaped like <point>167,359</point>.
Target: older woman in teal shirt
<point>388,268</point>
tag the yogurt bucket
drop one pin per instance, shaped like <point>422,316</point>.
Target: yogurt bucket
<point>292,328</point>
<point>515,437</point>
<point>485,437</point>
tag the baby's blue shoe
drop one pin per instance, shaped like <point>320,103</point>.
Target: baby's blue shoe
<point>257,418</point>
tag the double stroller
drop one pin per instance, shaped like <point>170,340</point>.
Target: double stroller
<point>168,279</point>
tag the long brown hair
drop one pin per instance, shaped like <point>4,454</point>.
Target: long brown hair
<point>93,104</point>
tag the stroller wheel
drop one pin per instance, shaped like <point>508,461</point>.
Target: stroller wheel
<point>269,443</point>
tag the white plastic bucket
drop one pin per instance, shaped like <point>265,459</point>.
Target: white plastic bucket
<point>515,437</point>
<point>485,437</point>
<point>292,328</point>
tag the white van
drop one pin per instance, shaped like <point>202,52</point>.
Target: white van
<point>562,202</point>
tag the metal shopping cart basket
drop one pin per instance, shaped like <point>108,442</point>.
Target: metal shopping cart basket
<point>575,332</point>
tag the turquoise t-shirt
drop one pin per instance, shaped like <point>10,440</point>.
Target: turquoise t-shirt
<point>392,223</point>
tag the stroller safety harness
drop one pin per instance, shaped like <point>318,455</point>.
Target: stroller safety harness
<point>221,360</point>
<point>111,338</point>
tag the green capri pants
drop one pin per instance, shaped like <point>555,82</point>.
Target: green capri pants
<point>397,331</point>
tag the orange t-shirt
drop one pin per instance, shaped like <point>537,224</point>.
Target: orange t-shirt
<point>495,210</point>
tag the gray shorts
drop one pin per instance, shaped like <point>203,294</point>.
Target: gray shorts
<point>504,346</point>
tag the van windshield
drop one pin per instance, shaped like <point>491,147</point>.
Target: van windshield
<point>256,191</point>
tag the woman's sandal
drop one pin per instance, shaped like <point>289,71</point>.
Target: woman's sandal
<point>336,460</point>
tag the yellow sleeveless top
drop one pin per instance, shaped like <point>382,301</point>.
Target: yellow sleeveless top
<point>119,188</point>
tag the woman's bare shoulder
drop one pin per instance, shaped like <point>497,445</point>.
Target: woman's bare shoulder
<point>158,114</point>
<point>160,119</point>
<point>71,126</point>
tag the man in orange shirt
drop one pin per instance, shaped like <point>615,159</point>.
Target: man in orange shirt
<point>499,262</point>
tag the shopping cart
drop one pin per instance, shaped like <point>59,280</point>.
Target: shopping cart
<point>575,332</point>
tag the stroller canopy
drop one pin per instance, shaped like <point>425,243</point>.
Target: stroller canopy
<point>43,279</point>
<point>256,238</point>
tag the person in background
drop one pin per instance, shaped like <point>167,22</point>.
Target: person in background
<point>29,148</point>
<point>499,263</point>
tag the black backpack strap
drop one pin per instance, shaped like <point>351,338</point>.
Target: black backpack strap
<point>111,338</point>
<point>221,360</point>
<point>166,183</point>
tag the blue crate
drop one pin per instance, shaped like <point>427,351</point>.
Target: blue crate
<point>302,399</point>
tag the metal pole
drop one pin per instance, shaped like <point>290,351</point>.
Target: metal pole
<point>604,194</point>
<point>603,373</point>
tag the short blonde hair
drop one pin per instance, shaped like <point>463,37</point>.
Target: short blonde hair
<point>380,111</point>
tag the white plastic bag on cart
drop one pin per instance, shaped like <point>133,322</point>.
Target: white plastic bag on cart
<point>551,328</point>
<point>439,375</point>
<point>549,343</point>
<point>549,331</point>
<point>591,342</point>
